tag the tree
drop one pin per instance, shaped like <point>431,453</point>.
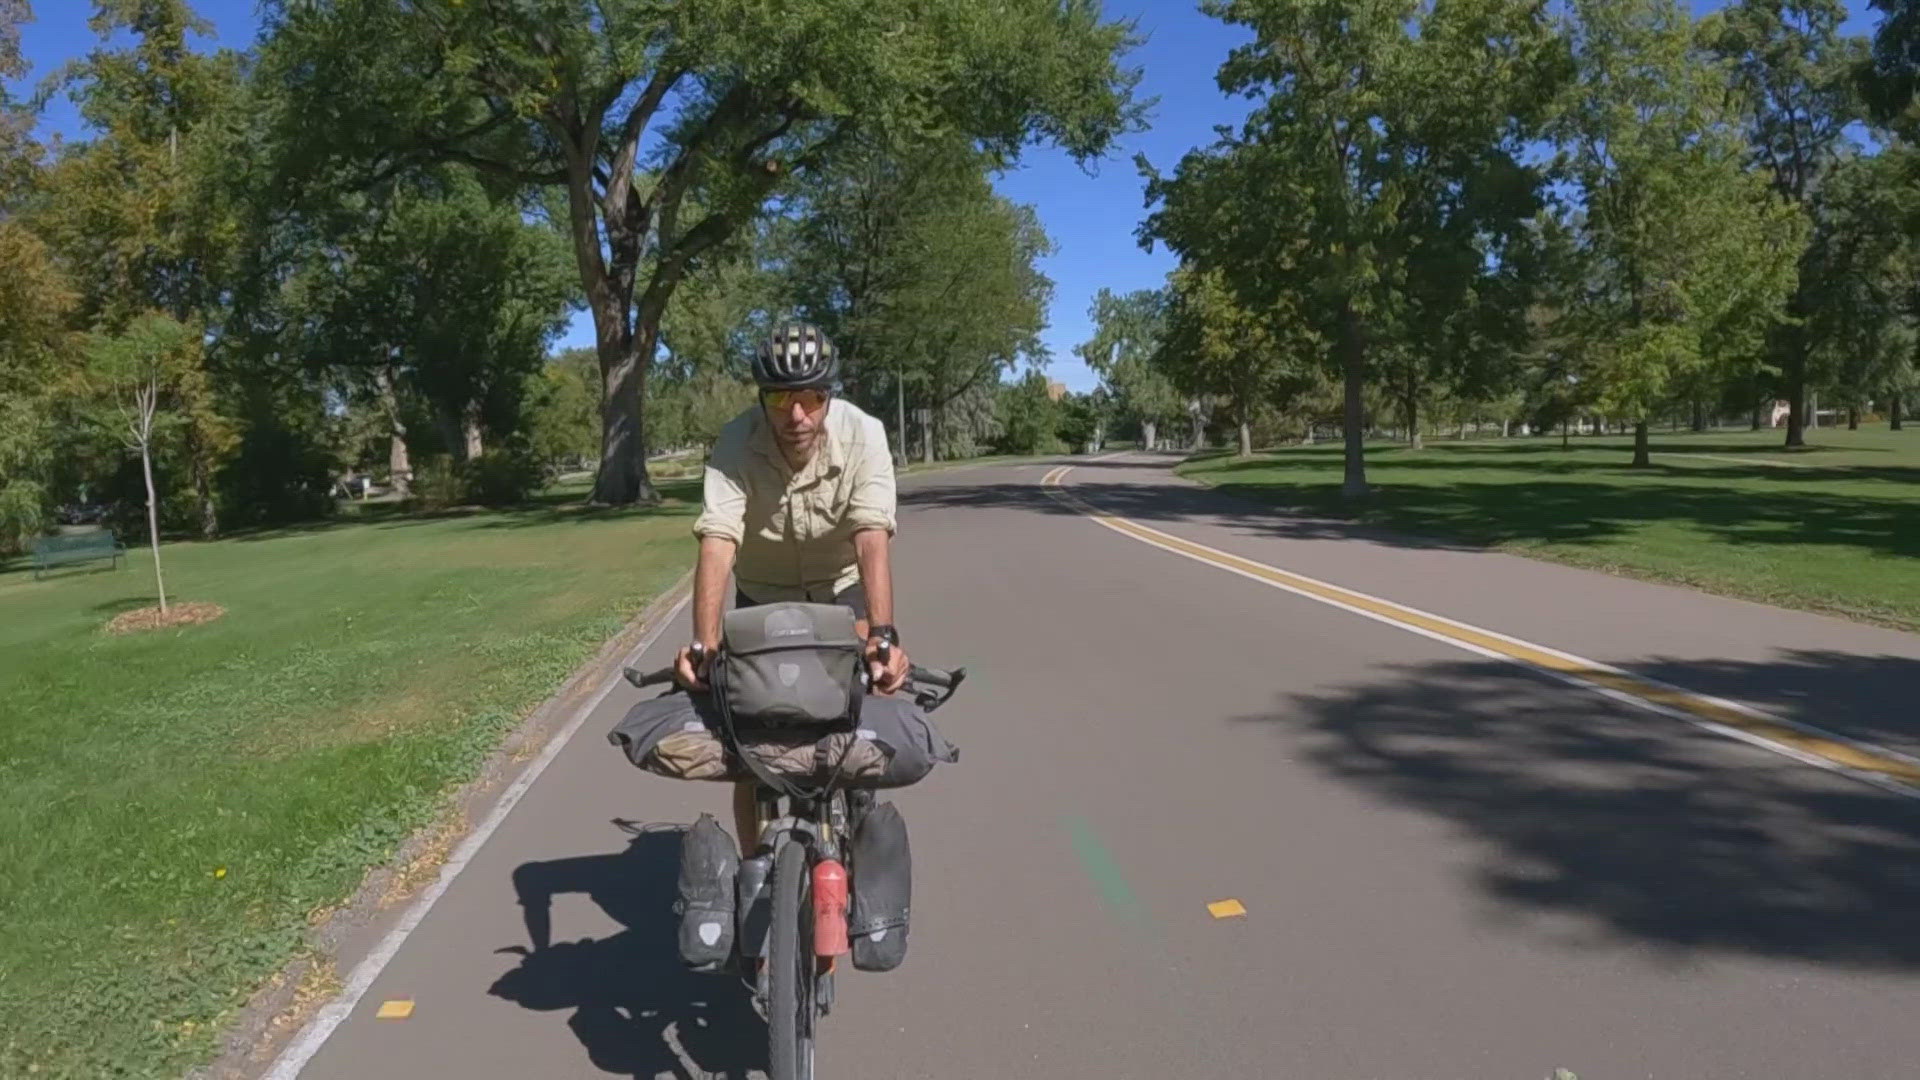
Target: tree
<point>1683,245</point>
<point>563,409</point>
<point>139,379</point>
<point>1123,352</point>
<point>1865,297</point>
<point>1372,121</point>
<point>670,126</point>
<point>35,304</point>
<point>1794,76</point>
<point>1030,417</point>
<point>1216,346</point>
<point>132,212</point>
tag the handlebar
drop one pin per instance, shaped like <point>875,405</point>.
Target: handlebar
<point>917,676</point>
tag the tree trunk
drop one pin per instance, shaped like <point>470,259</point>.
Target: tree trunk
<point>399,463</point>
<point>1353,364</point>
<point>1565,428</point>
<point>153,522</point>
<point>1853,418</point>
<point>1893,416</point>
<point>202,471</point>
<point>1813,411</point>
<point>1796,406</point>
<point>622,479</point>
<point>1641,459</point>
<point>470,430</point>
<point>1246,439</point>
<point>900,417</point>
<point>1306,434</point>
<point>1699,415</point>
<point>1411,406</point>
<point>1463,431</point>
<point>1147,433</point>
<point>1506,428</point>
<point>1757,406</point>
<point>926,437</point>
<point>1199,429</point>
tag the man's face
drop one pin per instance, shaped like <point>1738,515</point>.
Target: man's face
<point>796,416</point>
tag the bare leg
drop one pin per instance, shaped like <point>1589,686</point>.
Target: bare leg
<point>746,817</point>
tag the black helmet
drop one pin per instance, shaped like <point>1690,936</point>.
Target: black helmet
<point>795,356</point>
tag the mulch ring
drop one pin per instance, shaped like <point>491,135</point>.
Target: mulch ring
<point>149,618</point>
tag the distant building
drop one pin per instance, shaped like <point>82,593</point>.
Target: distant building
<point>1056,391</point>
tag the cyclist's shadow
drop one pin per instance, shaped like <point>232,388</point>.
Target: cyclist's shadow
<point>638,1011</point>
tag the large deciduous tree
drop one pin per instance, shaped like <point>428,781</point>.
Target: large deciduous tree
<point>1123,351</point>
<point>1793,75</point>
<point>669,125</point>
<point>1375,121</point>
<point>1682,241</point>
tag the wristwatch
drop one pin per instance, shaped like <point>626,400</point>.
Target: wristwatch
<point>884,632</point>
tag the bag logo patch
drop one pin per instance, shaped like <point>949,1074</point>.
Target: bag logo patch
<point>789,674</point>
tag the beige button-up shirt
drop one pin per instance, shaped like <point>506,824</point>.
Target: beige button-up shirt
<point>795,531</point>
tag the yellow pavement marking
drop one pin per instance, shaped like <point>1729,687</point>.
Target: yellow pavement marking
<point>395,1010</point>
<point>1878,765</point>
<point>1226,909</point>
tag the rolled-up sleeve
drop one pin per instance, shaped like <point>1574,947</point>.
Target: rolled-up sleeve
<point>873,501</point>
<point>723,510</point>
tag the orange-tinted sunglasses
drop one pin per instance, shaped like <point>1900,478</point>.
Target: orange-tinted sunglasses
<point>781,400</point>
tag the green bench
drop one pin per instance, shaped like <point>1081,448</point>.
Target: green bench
<point>50,551</point>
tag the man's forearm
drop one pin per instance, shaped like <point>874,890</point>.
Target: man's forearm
<point>872,547</point>
<point>710,587</point>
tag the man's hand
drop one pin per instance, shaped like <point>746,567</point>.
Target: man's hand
<point>690,667</point>
<point>887,665</point>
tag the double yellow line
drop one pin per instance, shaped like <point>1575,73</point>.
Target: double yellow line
<point>1877,765</point>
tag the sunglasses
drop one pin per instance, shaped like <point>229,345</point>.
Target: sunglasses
<point>781,400</point>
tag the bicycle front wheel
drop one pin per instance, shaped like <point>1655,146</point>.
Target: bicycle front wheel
<point>790,968</point>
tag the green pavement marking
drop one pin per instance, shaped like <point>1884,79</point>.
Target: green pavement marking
<point>1100,866</point>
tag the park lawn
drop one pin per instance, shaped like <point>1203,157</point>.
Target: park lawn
<point>1834,528</point>
<point>177,803</point>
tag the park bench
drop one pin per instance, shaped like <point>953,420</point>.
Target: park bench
<point>50,551</point>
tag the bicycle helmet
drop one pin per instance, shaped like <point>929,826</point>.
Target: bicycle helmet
<point>795,356</point>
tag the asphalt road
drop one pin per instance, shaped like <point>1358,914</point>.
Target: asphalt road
<point>1452,867</point>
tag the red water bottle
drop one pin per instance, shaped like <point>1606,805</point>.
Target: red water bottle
<point>829,908</point>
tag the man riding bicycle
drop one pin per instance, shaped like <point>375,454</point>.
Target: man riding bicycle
<point>799,505</point>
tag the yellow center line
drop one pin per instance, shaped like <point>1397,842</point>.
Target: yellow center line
<point>1887,768</point>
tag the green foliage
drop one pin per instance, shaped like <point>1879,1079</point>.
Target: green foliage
<point>927,278</point>
<point>1125,352</point>
<point>1687,254</point>
<point>503,476</point>
<point>1385,144</point>
<point>563,413</point>
<point>739,99</point>
<point>1030,419</point>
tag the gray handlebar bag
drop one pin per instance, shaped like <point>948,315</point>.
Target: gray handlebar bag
<point>790,665</point>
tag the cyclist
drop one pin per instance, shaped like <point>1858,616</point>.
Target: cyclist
<point>799,504</point>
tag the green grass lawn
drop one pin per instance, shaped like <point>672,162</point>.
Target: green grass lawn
<point>1832,528</point>
<point>176,803</point>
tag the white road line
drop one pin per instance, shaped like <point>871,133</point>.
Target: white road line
<point>308,1043</point>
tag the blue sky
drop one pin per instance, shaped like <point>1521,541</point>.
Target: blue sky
<point>1091,215</point>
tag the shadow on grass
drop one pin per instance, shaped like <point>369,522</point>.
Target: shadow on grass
<point>1561,511</point>
<point>1627,827</point>
<point>636,1010</point>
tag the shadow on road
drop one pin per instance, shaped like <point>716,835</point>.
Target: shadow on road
<point>1628,827</point>
<point>637,1011</point>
